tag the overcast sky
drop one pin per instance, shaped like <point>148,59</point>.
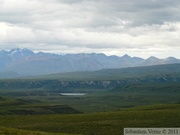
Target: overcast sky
<point>115,27</point>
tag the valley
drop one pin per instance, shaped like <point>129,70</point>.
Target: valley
<point>89,67</point>
<point>97,102</point>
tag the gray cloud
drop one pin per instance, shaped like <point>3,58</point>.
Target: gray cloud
<point>137,27</point>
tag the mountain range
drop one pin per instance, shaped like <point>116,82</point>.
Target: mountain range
<point>24,62</point>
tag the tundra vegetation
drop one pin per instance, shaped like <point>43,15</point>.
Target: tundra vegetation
<point>109,100</point>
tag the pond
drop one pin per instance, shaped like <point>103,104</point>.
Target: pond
<point>73,94</point>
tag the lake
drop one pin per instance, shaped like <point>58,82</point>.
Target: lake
<point>73,94</point>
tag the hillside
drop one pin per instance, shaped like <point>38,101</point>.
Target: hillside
<point>159,71</point>
<point>106,123</point>
<point>104,90</point>
<point>109,100</point>
<point>107,78</point>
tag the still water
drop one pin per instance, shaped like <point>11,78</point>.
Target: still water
<point>73,94</point>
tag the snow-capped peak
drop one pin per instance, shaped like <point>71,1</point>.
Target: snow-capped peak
<point>13,51</point>
<point>20,52</point>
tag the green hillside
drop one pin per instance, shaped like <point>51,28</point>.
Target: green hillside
<point>103,79</point>
<point>15,131</point>
<point>172,70</point>
<point>104,90</point>
<point>51,101</point>
<point>108,101</point>
<point>106,123</point>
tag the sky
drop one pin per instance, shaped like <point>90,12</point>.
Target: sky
<point>140,28</point>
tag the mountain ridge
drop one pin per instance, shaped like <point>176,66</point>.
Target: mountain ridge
<point>25,62</point>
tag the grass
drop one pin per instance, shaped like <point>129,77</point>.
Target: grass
<point>36,101</point>
<point>13,131</point>
<point>143,97</point>
<point>106,123</point>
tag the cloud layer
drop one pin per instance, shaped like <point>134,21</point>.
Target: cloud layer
<point>136,27</point>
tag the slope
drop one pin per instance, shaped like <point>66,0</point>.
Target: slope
<point>107,123</point>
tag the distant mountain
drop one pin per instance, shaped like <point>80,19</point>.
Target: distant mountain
<point>18,53</point>
<point>24,62</point>
<point>155,61</point>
